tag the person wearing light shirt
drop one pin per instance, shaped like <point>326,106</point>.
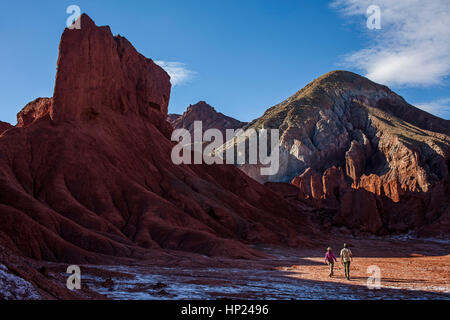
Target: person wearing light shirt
<point>346,259</point>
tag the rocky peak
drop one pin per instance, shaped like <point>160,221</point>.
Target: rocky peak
<point>337,88</point>
<point>201,106</point>
<point>211,119</point>
<point>99,73</point>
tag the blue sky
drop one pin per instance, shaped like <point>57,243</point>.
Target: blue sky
<point>242,57</point>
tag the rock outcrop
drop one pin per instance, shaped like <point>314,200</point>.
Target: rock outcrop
<point>210,118</point>
<point>360,211</point>
<point>310,183</point>
<point>87,175</point>
<point>172,117</point>
<point>34,111</point>
<point>4,126</point>
<point>374,206</point>
<point>334,183</point>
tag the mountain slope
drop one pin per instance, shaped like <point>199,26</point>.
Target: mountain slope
<point>319,124</point>
<point>357,147</point>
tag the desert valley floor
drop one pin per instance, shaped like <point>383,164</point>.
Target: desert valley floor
<point>410,269</point>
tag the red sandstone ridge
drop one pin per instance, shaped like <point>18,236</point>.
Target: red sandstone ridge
<point>87,175</point>
<point>210,118</point>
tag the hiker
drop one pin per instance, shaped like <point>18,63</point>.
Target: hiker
<point>346,258</point>
<point>330,259</point>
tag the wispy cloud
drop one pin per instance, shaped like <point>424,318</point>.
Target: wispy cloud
<point>178,72</point>
<point>413,46</point>
<point>440,107</point>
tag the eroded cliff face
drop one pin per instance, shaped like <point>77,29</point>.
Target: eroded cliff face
<point>373,206</point>
<point>87,174</point>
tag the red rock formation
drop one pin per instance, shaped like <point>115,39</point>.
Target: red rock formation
<point>93,177</point>
<point>359,210</point>
<point>329,186</point>
<point>372,183</point>
<point>111,75</point>
<point>303,182</point>
<point>334,183</point>
<point>380,207</point>
<point>310,183</point>
<point>210,118</point>
<point>376,185</point>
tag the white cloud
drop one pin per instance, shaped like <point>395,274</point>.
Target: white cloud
<point>178,72</point>
<point>440,107</point>
<point>413,46</point>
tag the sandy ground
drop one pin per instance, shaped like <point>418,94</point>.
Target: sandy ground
<point>420,266</point>
<point>411,269</point>
<point>429,274</point>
